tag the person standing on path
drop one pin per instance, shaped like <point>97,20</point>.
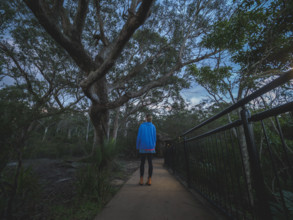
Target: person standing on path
<point>146,143</point>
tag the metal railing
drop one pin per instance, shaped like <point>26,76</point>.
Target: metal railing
<point>243,168</point>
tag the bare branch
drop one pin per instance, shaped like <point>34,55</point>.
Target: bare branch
<point>137,69</point>
<point>218,99</point>
<point>23,73</point>
<point>200,58</point>
<point>101,24</point>
<point>58,101</point>
<point>51,84</point>
<point>182,48</point>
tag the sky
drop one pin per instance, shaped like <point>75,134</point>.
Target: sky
<point>194,94</point>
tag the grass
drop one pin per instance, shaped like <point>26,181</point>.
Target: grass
<point>76,210</point>
<point>88,201</point>
<point>83,197</point>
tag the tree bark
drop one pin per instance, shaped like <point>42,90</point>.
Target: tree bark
<point>245,160</point>
<point>69,133</point>
<point>87,129</point>
<point>45,133</point>
<point>116,124</point>
<point>99,120</point>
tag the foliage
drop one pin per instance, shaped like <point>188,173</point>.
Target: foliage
<point>127,145</point>
<point>215,81</point>
<point>56,147</point>
<point>15,115</point>
<point>140,59</point>
<point>27,193</point>
<point>81,209</point>
<point>92,180</point>
<point>258,35</point>
<point>93,183</point>
<point>276,207</point>
<point>149,69</point>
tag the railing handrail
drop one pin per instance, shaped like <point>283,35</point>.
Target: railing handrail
<point>285,77</point>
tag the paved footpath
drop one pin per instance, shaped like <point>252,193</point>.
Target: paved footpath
<point>165,199</point>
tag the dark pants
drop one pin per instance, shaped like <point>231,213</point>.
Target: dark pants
<point>150,158</point>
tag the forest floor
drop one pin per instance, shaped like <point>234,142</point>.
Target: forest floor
<point>58,178</point>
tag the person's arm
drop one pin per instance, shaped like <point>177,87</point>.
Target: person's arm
<point>138,138</point>
<point>155,133</point>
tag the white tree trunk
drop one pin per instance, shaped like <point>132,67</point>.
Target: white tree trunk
<point>125,127</point>
<point>45,133</point>
<point>69,133</point>
<point>116,124</point>
<point>108,129</point>
<point>246,164</point>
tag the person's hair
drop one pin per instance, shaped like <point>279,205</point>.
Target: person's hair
<point>149,117</point>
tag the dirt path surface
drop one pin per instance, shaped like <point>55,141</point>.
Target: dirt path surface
<point>165,199</point>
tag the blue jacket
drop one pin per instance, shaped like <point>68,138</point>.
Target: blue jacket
<point>146,138</point>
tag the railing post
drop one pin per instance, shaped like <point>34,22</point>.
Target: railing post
<point>187,162</point>
<point>262,207</point>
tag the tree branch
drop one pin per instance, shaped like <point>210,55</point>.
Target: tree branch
<point>137,69</point>
<point>101,24</point>
<point>75,49</point>
<point>127,96</point>
<point>133,22</point>
<point>51,84</point>
<point>79,19</point>
<point>200,58</point>
<point>23,73</point>
<point>153,84</point>
<point>182,48</point>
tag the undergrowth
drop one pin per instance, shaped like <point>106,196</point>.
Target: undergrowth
<point>91,190</point>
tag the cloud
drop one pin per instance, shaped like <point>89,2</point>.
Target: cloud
<point>195,100</point>
<point>6,81</point>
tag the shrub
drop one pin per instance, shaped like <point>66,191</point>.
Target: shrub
<point>26,194</point>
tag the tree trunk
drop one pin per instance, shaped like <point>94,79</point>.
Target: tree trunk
<point>109,129</point>
<point>69,133</point>
<point>125,131</point>
<point>99,119</point>
<point>87,129</point>
<point>45,133</point>
<point>245,159</point>
<point>233,129</point>
<point>116,124</point>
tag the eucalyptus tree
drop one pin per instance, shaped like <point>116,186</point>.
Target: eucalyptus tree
<point>126,48</point>
<point>42,84</point>
<point>256,44</point>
